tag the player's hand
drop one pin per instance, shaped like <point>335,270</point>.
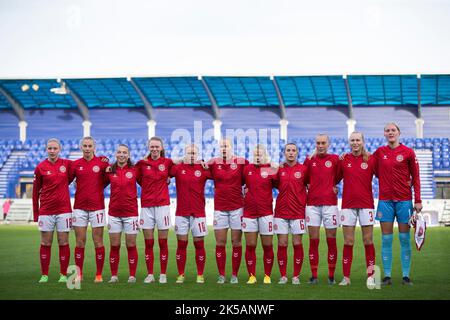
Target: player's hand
<point>168,180</point>
<point>418,207</point>
<point>342,156</point>
<point>105,159</point>
<point>108,169</point>
<point>335,189</point>
<point>204,164</point>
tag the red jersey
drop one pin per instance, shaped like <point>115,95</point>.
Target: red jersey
<point>123,200</point>
<point>90,177</point>
<point>357,175</point>
<point>322,177</point>
<point>51,188</point>
<point>228,183</point>
<point>259,181</point>
<point>190,181</point>
<point>397,170</point>
<point>291,200</point>
<point>154,173</point>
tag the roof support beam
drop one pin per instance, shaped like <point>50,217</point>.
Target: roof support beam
<point>214,106</point>
<point>84,111</point>
<point>147,105</point>
<point>283,115</point>
<point>419,98</point>
<point>349,97</point>
<point>17,107</point>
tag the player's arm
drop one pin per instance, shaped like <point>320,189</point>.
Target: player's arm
<point>415,180</point>
<point>37,185</point>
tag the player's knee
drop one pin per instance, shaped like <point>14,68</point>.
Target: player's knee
<point>236,243</point>
<point>81,243</point>
<point>349,242</point>
<point>367,240</point>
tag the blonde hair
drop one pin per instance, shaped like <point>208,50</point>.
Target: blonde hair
<point>55,140</point>
<point>315,149</point>
<point>163,151</point>
<point>394,124</point>
<point>364,152</point>
<point>87,138</point>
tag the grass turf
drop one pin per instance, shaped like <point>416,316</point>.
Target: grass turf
<point>20,271</point>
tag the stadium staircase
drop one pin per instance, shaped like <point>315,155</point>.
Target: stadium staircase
<point>427,183</point>
<point>20,213</point>
<point>9,170</point>
<point>445,220</point>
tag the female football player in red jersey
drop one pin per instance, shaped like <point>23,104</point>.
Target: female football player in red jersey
<point>357,169</point>
<point>123,211</point>
<point>89,207</point>
<point>290,211</point>
<point>322,205</point>
<point>226,171</point>
<point>397,169</point>
<point>154,170</point>
<point>52,209</point>
<point>258,212</point>
<point>191,177</point>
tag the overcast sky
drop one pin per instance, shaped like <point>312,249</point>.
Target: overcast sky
<point>99,38</point>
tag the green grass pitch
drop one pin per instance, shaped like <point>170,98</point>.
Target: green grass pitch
<point>20,271</point>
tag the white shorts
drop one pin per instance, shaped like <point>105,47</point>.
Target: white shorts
<point>159,216</point>
<point>128,224</point>
<point>350,216</point>
<point>286,226</point>
<point>196,225</point>
<point>228,219</point>
<point>328,214</point>
<point>81,218</point>
<point>62,222</point>
<point>263,225</point>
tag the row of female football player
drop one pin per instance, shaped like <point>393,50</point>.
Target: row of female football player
<point>307,199</point>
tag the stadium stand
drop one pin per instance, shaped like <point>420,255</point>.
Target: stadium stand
<point>119,110</point>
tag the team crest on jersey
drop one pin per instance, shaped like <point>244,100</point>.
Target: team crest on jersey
<point>328,164</point>
<point>364,165</point>
<point>233,166</point>
<point>399,158</point>
<point>129,175</point>
<point>96,169</point>
<point>298,174</point>
<point>161,167</point>
<point>62,169</point>
<point>264,174</point>
<point>197,173</point>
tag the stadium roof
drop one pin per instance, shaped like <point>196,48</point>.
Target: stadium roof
<point>290,91</point>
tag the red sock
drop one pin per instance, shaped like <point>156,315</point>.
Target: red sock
<point>181,255</point>
<point>250,259</point>
<point>79,258</point>
<point>114,258</point>
<point>332,256</point>
<point>298,259</point>
<point>370,258</point>
<point>347,258</point>
<point>314,256</point>
<point>200,256</point>
<point>268,259</point>
<point>132,260</point>
<point>282,259</point>
<point>221,258</point>
<point>236,260</point>
<point>45,253</point>
<point>64,258</point>
<point>163,255</point>
<point>99,259</point>
<point>149,255</point>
